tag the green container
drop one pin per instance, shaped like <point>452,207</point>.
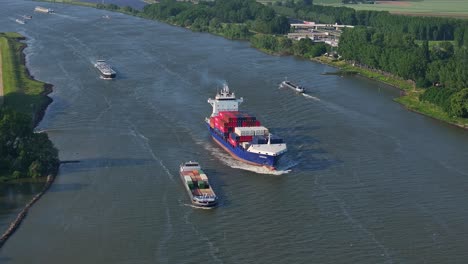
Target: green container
<point>201,184</point>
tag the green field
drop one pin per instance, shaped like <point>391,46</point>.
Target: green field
<point>455,8</point>
<point>20,91</point>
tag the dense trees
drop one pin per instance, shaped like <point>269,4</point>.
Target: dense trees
<point>24,153</point>
<point>443,65</point>
<point>399,45</point>
<point>231,18</point>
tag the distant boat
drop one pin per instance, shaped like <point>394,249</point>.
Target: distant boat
<point>288,84</point>
<point>26,17</point>
<point>43,10</point>
<point>19,21</point>
<point>105,69</point>
<point>106,17</point>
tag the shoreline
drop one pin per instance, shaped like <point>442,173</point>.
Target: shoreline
<point>36,119</point>
<point>409,98</point>
<point>1,79</point>
<point>409,94</point>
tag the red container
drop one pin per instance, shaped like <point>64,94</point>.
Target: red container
<point>232,142</point>
<point>245,138</point>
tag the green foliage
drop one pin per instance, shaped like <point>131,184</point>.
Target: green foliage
<point>23,152</point>
<point>240,15</point>
<point>459,104</point>
<point>438,96</point>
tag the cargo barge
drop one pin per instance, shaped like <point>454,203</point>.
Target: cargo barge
<point>197,185</point>
<point>241,134</point>
<point>105,69</point>
<point>295,87</point>
<point>43,10</point>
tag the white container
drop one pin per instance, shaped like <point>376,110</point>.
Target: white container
<point>251,131</point>
<point>187,179</point>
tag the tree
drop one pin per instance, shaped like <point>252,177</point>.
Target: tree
<point>459,103</point>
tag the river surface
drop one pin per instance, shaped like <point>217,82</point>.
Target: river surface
<point>364,181</point>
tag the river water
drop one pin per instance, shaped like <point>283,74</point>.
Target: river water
<point>364,181</point>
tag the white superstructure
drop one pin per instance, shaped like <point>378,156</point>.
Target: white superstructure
<point>224,101</point>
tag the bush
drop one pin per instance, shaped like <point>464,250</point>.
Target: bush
<point>459,103</point>
<point>438,96</point>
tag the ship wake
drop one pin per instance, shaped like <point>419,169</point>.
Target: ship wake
<point>283,168</point>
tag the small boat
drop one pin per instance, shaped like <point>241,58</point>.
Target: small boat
<point>106,17</point>
<point>19,21</point>
<point>43,10</point>
<point>196,183</point>
<point>105,69</point>
<point>26,17</point>
<point>288,84</point>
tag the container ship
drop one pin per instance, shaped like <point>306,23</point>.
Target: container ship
<point>241,134</point>
<point>196,183</point>
<point>105,69</point>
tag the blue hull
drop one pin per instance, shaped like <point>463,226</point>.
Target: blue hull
<point>242,154</point>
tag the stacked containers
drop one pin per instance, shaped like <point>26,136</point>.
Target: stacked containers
<point>228,121</point>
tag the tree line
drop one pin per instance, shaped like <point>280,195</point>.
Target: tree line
<point>24,153</point>
<point>234,18</point>
<point>431,51</point>
<point>396,44</point>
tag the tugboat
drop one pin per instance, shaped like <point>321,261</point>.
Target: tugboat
<point>107,73</point>
<point>196,183</point>
<point>288,84</point>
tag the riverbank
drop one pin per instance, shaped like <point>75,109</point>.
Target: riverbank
<point>409,96</point>
<point>21,93</point>
<point>1,79</point>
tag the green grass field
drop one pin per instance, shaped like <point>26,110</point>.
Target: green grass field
<point>454,8</point>
<point>72,2</point>
<point>20,92</point>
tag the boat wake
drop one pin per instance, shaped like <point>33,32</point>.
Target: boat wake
<point>198,207</point>
<point>236,164</point>
<point>311,97</point>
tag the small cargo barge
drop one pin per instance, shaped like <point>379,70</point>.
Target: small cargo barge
<point>41,9</point>
<point>295,87</point>
<point>196,183</point>
<point>107,73</point>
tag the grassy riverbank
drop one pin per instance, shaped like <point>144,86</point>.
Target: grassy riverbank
<point>410,95</point>
<point>25,101</point>
<point>21,92</point>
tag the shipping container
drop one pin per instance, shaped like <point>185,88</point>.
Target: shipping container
<point>188,179</point>
<point>201,184</point>
<point>232,142</point>
<point>251,131</point>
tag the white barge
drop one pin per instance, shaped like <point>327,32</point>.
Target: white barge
<point>43,10</point>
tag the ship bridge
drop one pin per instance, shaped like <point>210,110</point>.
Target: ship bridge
<point>225,100</point>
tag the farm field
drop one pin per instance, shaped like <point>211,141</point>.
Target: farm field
<point>454,8</point>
